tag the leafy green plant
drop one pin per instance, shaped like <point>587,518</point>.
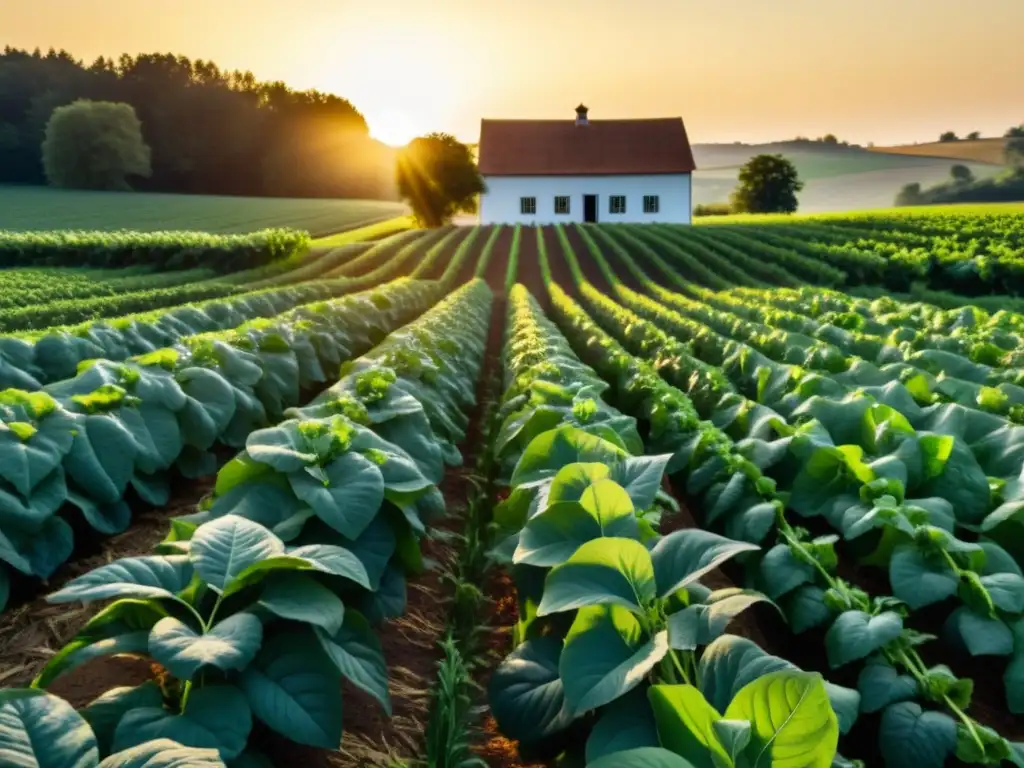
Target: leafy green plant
<point>41,729</point>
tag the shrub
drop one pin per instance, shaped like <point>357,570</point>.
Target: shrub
<point>713,209</point>
<point>94,145</point>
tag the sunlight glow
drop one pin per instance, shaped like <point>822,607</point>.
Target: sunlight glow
<point>395,127</point>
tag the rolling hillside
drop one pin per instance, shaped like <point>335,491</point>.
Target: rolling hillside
<point>837,178</point>
<point>977,151</point>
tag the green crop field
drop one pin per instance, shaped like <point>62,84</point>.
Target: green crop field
<point>42,208</point>
<point>616,496</point>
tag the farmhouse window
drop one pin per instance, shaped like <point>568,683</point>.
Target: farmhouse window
<point>617,204</point>
<point>527,206</point>
<point>562,204</point>
<point>651,203</point>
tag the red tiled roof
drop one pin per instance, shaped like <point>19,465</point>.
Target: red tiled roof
<point>560,147</point>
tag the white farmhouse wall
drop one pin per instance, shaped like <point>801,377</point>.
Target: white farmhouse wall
<point>500,204</point>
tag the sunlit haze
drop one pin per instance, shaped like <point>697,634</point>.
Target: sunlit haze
<point>888,71</point>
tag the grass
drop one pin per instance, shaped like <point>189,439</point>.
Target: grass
<point>974,150</point>
<point>920,210</point>
<point>42,208</point>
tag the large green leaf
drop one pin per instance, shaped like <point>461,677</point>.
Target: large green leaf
<point>606,655</point>
<point>626,723</point>
<point>730,663</point>
<point>685,723</point>
<point>917,581</point>
<point>1013,677</point>
<point>298,597</point>
<point>880,685</point>
<point>334,560</point>
<point>282,447</point>
<point>603,509</point>
<point>526,693</point>
<point>105,712</point>
<point>641,477</point>
<point>550,451</point>
<point>570,482</point>
<point>793,722</point>
<point>700,623</point>
<point>980,635</point>
<point>223,548</point>
<point>215,717</point>
<point>684,556</point>
<point>780,572</point>
<point>164,753</point>
<point>228,644</point>
<point>295,689</point>
<point>805,608</point>
<point>121,627</point>
<point>856,635</point>
<point>910,736</point>
<point>642,757</point>
<point>347,495</point>
<point>102,458</point>
<point>356,650</point>
<point>156,576</point>
<point>603,571</point>
<point>39,730</point>
<point>1006,591</point>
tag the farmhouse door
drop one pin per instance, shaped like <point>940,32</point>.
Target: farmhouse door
<point>590,209</point>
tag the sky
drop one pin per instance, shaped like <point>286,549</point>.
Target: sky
<point>887,71</point>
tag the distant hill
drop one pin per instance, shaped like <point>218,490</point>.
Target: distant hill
<point>836,177</point>
<point>974,150</point>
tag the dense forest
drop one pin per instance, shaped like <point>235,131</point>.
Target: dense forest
<point>210,131</point>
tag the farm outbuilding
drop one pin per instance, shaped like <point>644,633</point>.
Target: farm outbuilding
<point>582,170</point>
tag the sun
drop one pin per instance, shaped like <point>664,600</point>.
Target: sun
<point>394,127</point>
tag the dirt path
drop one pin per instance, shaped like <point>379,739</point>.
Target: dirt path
<point>498,264</point>
<point>587,264</point>
<point>465,273</point>
<point>529,266</point>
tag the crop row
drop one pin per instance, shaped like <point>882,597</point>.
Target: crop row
<point>898,497</point>
<point>617,635</point>
<point>75,448</point>
<point>157,250</point>
<point>970,254</point>
<point>260,604</point>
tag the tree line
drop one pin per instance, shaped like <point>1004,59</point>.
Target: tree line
<point>208,130</point>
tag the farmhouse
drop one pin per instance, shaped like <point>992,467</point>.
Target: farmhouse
<point>582,170</point>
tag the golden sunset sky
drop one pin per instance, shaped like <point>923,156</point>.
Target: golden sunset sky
<point>888,71</point>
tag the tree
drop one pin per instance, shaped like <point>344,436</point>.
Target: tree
<point>974,135</point>
<point>961,174</point>
<point>949,136</point>
<point>1017,132</point>
<point>94,145</point>
<point>829,138</point>
<point>909,195</point>
<point>436,175</point>
<point>1015,153</point>
<point>768,184</point>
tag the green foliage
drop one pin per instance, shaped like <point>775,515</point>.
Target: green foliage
<point>767,184</point>
<point>949,136</point>
<point>157,250</point>
<point>437,176</point>
<point>712,209</point>
<point>94,145</point>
